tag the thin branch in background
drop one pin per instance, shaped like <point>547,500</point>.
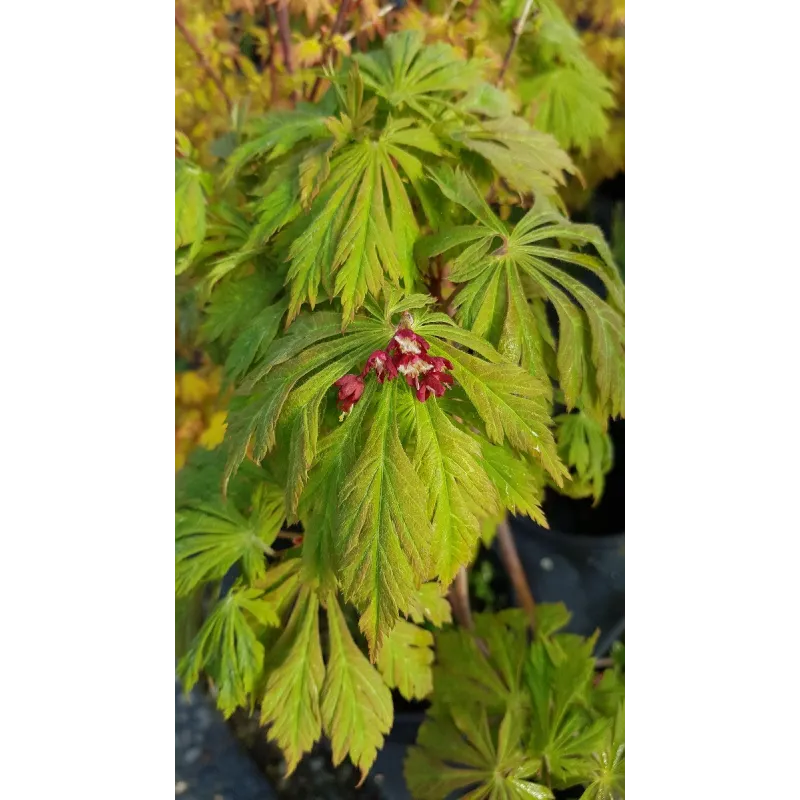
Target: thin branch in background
<point>326,54</point>
<point>519,26</point>
<point>201,57</point>
<point>450,9</point>
<point>459,600</point>
<point>269,60</point>
<point>510,558</point>
<point>382,12</point>
<point>285,34</point>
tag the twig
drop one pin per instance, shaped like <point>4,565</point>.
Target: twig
<point>285,34</point>
<point>459,600</point>
<point>450,9</point>
<point>510,559</point>
<point>519,26</point>
<point>337,25</point>
<point>204,62</point>
<point>382,12</point>
<point>270,60</point>
<point>603,663</point>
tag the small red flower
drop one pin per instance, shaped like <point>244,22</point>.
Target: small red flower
<point>384,366</point>
<point>412,366</point>
<point>440,364</point>
<point>406,341</point>
<point>351,387</point>
<point>435,383</point>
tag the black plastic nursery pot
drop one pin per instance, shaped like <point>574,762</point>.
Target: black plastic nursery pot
<point>580,560</point>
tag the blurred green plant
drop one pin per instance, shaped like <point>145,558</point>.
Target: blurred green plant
<point>513,720</point>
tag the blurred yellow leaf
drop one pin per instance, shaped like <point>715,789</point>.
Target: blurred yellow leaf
<point>340,44</point>
<point>194,388</point>
<point>308,52</point>
<point>213,435</point>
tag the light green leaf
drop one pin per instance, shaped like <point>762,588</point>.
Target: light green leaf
<point>512,405</point>
<point>587,451</point>
<point>461,749</point>
<point>356,708</point>
<point>383,538</point>
<point>530,160</point>
<point>460,493</point>
<point>276,133</point>
<point>338,452</point>
<point>430,603</point>
<point>228,649</point>
<point>572,104</point>
<point>192,185</point>
<point>290,705</point>
<point>211,537</point>
<point>519,483</point>
<point>405,72</point>
<point>405,660</point>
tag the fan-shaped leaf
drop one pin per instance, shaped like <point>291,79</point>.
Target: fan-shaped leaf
<point>228,649</point>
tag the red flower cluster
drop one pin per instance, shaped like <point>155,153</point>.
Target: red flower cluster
<point>407,355</point>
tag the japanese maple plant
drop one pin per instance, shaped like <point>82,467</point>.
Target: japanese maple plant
<point>401,304</point>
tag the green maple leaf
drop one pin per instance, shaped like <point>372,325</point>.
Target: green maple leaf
<point>192,186</point>
<point>290,705</point>
<point>519,483</point>
<point>512,404</point>
<point>298,370</point>
<point>430,603</point>
<point>530,160</point>
<point>356,706</point>
<point>405,660</point>
<point>564,733</point>
<point>211,537</point>
<point>605,773</point>
<point>573,105</point>
<point>459,491</point>
<point>276,133</point>
<point>494,303</point>
<point>362,227</point>
<point>228,649</point>
<point>460,749</point>
<point>485,665</point>
<point>320,500</point>
<point>233,304</point>
<point>383,538</point>
<point>588,452</point>
<point>407,73</point>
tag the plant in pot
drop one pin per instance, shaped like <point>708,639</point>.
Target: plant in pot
<point>394,373</point>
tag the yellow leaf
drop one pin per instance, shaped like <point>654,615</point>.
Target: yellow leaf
<point>194,389</point>
<point>340,44</point>
<point>213,435</point>
<point>308,52</point>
